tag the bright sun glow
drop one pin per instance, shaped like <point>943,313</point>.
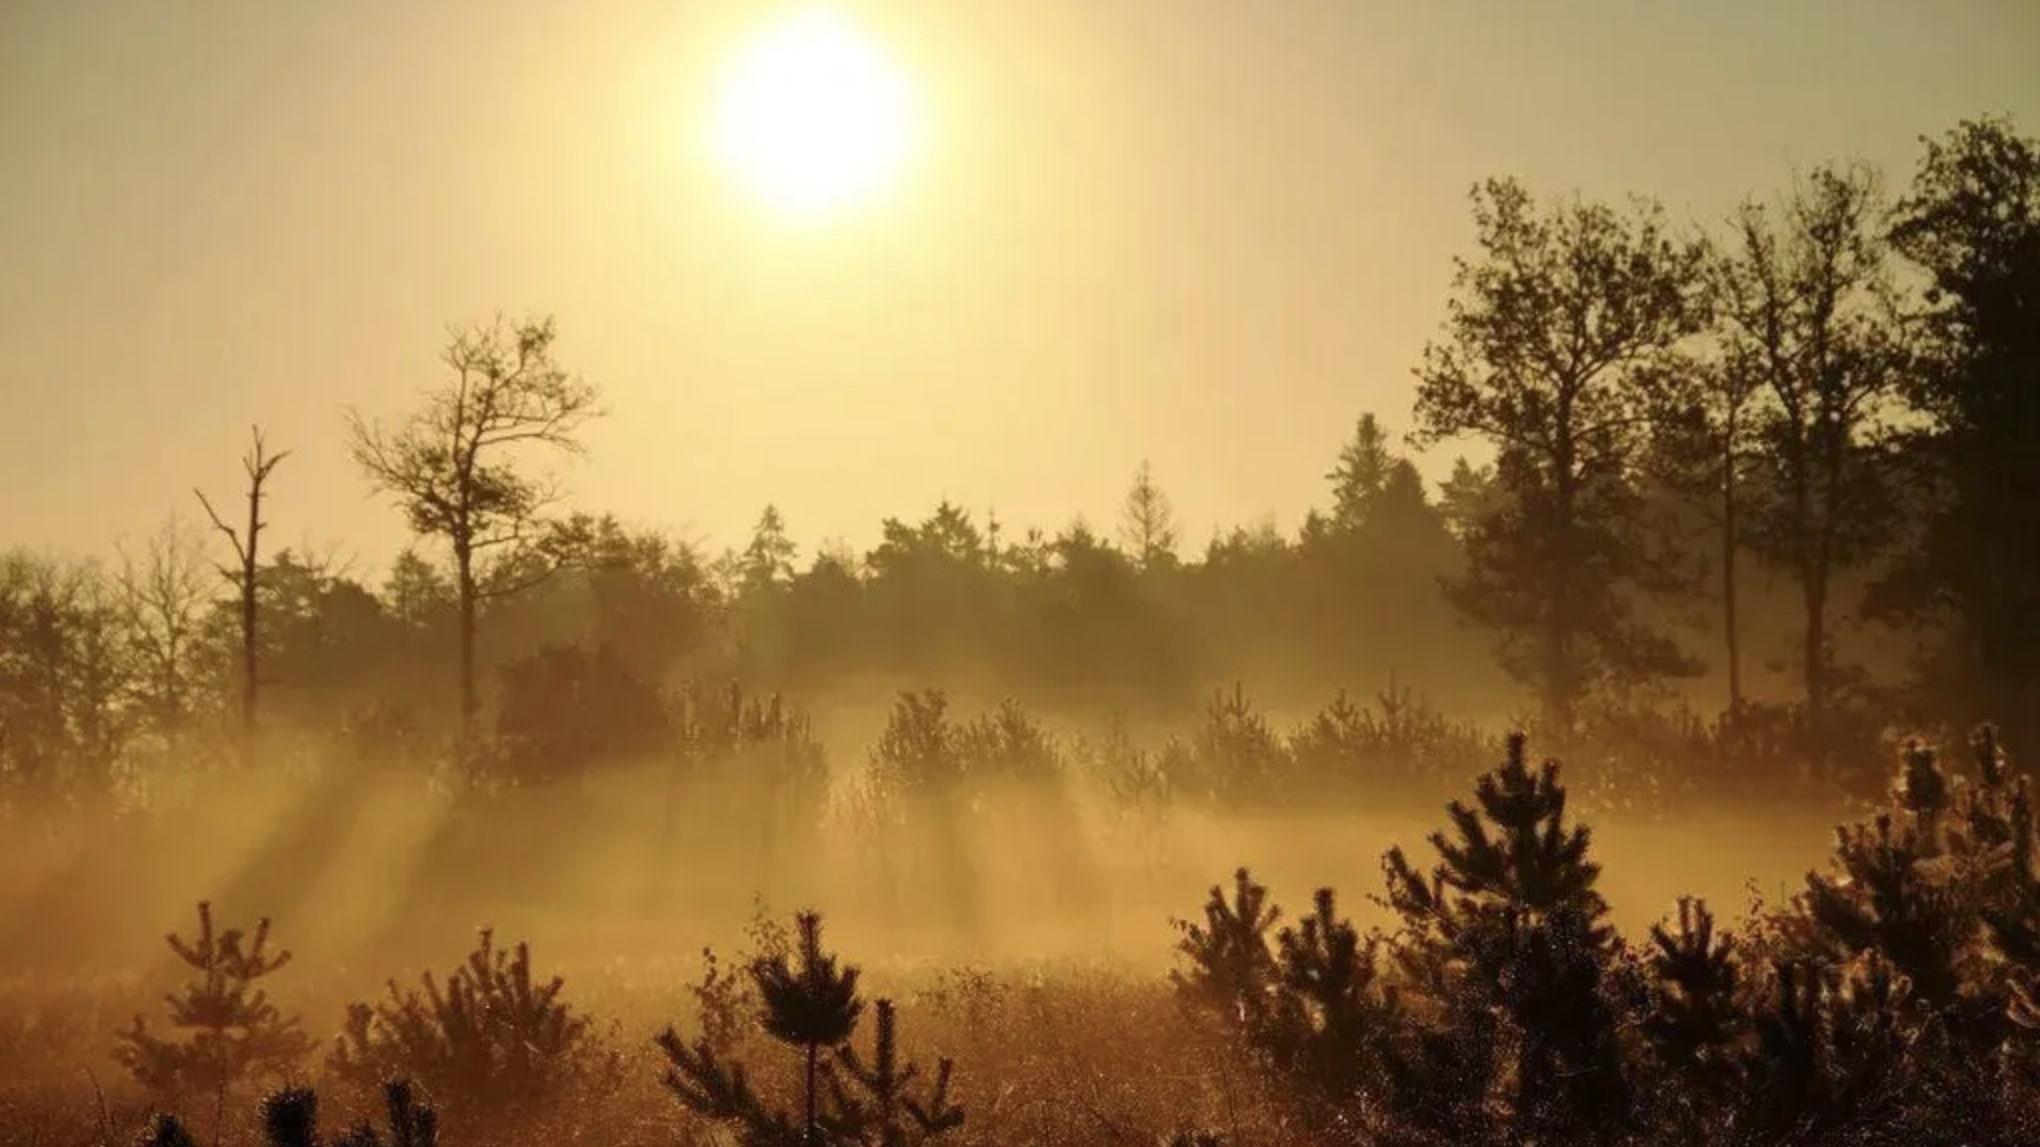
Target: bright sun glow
<point>812,117</point>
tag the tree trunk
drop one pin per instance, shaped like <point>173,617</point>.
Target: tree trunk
<point>251,681</point>
<point>1729,539</point>
<point>810,1135</point>
<point>1560,688</point>
<point>469,702</point>
<point>1814,651</point>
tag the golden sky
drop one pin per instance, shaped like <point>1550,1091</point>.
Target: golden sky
<point>1204,232</point>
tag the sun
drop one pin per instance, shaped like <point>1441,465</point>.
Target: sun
<point>812,118</point>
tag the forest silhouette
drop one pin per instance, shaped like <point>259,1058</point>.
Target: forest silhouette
<point>1746,544</point>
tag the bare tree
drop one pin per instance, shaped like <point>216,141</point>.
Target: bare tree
<point>246,579</point>
<point>162,599</point>
<point>1147,523</point>
<point>454,465</point>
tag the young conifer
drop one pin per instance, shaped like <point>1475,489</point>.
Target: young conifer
<point>1231,970</point>
<point>492,1038</point>
<point>812,1006</point>
<point>888,1113</point>
<point>232,1029</point>
<point>1696,1016</point>
<point>1509,921</point>
<point>1331,1015</point>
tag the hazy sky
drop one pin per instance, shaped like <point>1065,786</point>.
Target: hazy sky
<point>1209,234</point>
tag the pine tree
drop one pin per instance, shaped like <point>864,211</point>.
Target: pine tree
<point>1509,921</point>
<point>1696,1020</point>
<point>1332,1018</point>
<point>290,1118</point>
<point>1231,970</point>
<point>1695,1017</point>
<point>492,1038</point>
<point>1239,758</point>
<point>1830,1055</point>
<point>813,1006</point>
<point>767,562</point>
<point>810,1004</point>
<point>234,1029</point>
<point>890,1114</point>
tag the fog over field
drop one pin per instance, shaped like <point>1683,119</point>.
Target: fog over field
<point>850,573</point>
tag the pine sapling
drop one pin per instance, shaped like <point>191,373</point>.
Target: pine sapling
<point>234,1029</point>
<point>290,1118</point>
<point>889,1113</point>
<point>706,1085</point>
<point>1331,1015</point>
<point>412,1124</point>
<point>1231,969</point>
<point>1509,922</point>
<point>1696,1017</point>
<point>493,1037</point>
<point>812,1006</point>
<point>166,1131</point>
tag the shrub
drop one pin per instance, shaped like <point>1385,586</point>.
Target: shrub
<point>1398,744</point>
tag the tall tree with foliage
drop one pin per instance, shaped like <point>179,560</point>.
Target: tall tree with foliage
<point>454,464</point>
<point>1807,305</point>
<point>1561,336</point>
<point>1972,222</point>
<point>246,577</point>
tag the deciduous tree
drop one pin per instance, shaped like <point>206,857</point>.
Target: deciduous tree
<point>1561,336</point>
<point>454,465</point>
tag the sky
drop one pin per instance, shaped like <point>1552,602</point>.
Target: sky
<point>1199,232</point>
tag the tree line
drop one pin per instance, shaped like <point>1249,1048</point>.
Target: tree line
<point>1832,390</point>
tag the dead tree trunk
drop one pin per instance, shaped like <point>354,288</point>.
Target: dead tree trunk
<point>246,577</point>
